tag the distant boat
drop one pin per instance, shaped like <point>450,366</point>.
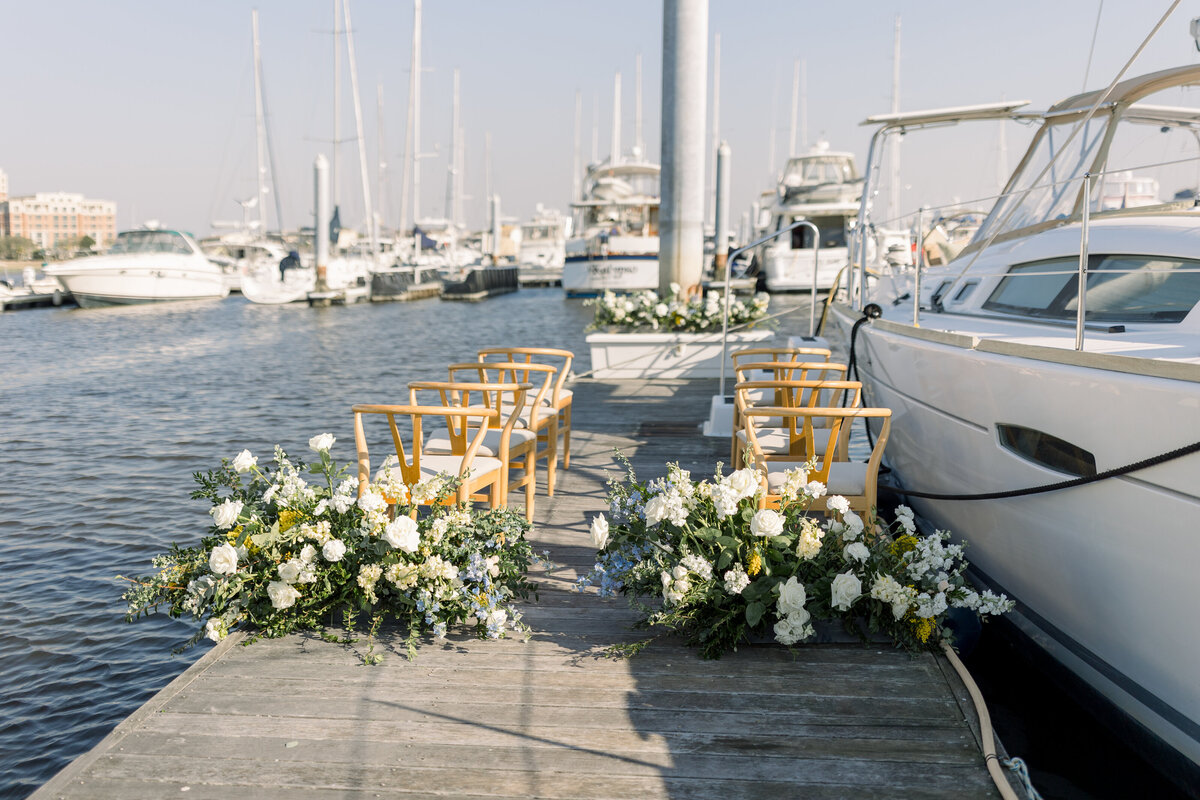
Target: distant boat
<point>822,187</point>
<point>617,245</point>
<point>143,266</point>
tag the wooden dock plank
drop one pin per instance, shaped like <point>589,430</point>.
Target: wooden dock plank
<point>551,717</point>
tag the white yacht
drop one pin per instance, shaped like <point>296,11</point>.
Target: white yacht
<point>143,266</point>
<point>544,240</point>
<point>822,187</point>
<point>241,254</point>
<point>1001,379</point>
<point>616,245</point>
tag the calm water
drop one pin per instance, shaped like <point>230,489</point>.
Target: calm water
<point>107,413</point>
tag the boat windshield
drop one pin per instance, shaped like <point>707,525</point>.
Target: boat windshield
<point>818,170</point>
<point>1056,193</point>
<point>150,242</point>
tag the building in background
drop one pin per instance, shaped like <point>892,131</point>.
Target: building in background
<point>57,220</point>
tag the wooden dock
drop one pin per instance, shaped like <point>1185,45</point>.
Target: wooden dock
<point>552,717</point>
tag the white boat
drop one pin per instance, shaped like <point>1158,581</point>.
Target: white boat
<point>822,187</point>
<point>267,284</point>
<point>143,266</point>
<point>997,382</point>
<point>616,248</point>
<point>242,253</point>
<point>544,241</point>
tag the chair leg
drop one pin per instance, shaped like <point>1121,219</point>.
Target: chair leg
<point>530,482</point>
<point>551,454</point>
<point>565,423</point>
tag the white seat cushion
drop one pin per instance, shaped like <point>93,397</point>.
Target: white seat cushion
<point>775,441</point>
<point>440,443</point>
<point>433,464</point>
<point>845,478</point>
<point>564,397</point>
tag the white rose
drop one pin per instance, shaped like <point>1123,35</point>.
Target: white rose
<point>212,630</point>
<point>333,550</point>
<point>853,526</point>
<point>660,310</point>
<point>223,560</point>
<point>322,443</point>
<point>766,523</point>
<point>791,596</point>
<point>744,482</point>
<point>289,571</point>
<point>838,503</point>
<point>815,489</point>
<point>679,573</point>
<point>244,461</point>
<point>656,510</point>
<point>372,501</point>
<point>282,595</point>
<point>846,588</point>
<point>402,534</point>
<point>600,532</point>
<point>308,553</point>
<point>856,551</point>
<point>226,514</point>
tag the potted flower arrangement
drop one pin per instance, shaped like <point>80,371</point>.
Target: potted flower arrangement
<point>292,546</point>
<point>703,560</point>
<point>643,335</point>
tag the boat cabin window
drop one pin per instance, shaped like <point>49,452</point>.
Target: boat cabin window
<point>965,291</point>
<point>817,170</point>
<point>1119,289</point>
<point>150,242</point>
<point>833,233</point>
<point>1046,450</point>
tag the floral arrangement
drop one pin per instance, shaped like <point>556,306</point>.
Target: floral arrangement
<point>646,310</point>
<point>725,570</point>
<point>285,552</point>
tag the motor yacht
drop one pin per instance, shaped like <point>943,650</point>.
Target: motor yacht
<point>143,266</point>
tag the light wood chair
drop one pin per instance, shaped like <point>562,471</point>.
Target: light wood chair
<point>856,481</point>
<point>478,473</point>
<point>535,414</point>
<point>748,354</point>
<point>515,447</point>
<point>775,371</point>
<point>560,398</point>
<point>783,439</point>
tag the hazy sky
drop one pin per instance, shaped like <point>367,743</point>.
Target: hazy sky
<point>150,103</point>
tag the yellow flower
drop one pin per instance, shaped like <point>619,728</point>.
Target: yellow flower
<point>482,599</point>
<point>288,518</point>
<point>922,628</point>
<point>904,544</point>
<point>755,565</point>
<point>233,535</point>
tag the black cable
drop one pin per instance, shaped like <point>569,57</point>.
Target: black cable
<point>870,311</point>
<point>1053,487</point>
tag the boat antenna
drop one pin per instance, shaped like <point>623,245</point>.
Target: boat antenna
<point>1087,70</point>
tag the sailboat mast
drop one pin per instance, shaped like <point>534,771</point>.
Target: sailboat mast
<point>372,235</point>
<point>406,168</point>
<point>638,144</point>
<point>795,107</point>
<point>337,100</point>
<point>615,142</point>
<point>452,158</point>
<point>894,189</point>
<point>260,129</point>
<point>416,115</point>
<point>381,162</point>
<point>803,104</point>
<point>578,167</point>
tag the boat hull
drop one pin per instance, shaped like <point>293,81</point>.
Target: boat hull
<point>1103,573</point>
<point>109,286</point>
<point>588,276</point>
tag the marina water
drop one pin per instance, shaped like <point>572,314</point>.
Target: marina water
<point>106,415</point>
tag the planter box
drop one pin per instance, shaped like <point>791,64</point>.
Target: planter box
<point>621,356</point>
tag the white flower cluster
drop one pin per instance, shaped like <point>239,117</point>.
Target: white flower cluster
<point>698,565</point>
<point>647,310</point>
<point>889,590</point>
<point>675,584</point>
<point>794,623</point>
<point>736,580</point>
<point>808,543</point>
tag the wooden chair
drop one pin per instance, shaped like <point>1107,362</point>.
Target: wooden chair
<point>534,414</point>
<point>783,439</point>
<point>749,354</point>
<point>477,472</point>
<point>560,397</point>
<point>776,371</point>
<point>513,446</point>
<point>856,481</point>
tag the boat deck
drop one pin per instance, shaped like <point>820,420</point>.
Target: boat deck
<point>301,717</point>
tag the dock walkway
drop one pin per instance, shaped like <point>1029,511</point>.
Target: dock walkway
<point>300,717</point>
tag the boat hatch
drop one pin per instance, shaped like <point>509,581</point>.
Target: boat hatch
<point>1120,288</point>
<point>1046,450</point>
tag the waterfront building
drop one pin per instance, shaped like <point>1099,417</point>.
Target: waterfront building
<point>56,219</point>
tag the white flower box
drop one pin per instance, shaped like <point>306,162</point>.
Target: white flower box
<point>623,356</point>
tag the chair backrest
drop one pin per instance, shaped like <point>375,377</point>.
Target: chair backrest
<point>836,418</point>
<point>748,354</point>
<point>789,370</point>
<point>802,393</point>
<point>466,394</point>
<point>410,470</point>
<point>539,377</point>
<point>551,356</point>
